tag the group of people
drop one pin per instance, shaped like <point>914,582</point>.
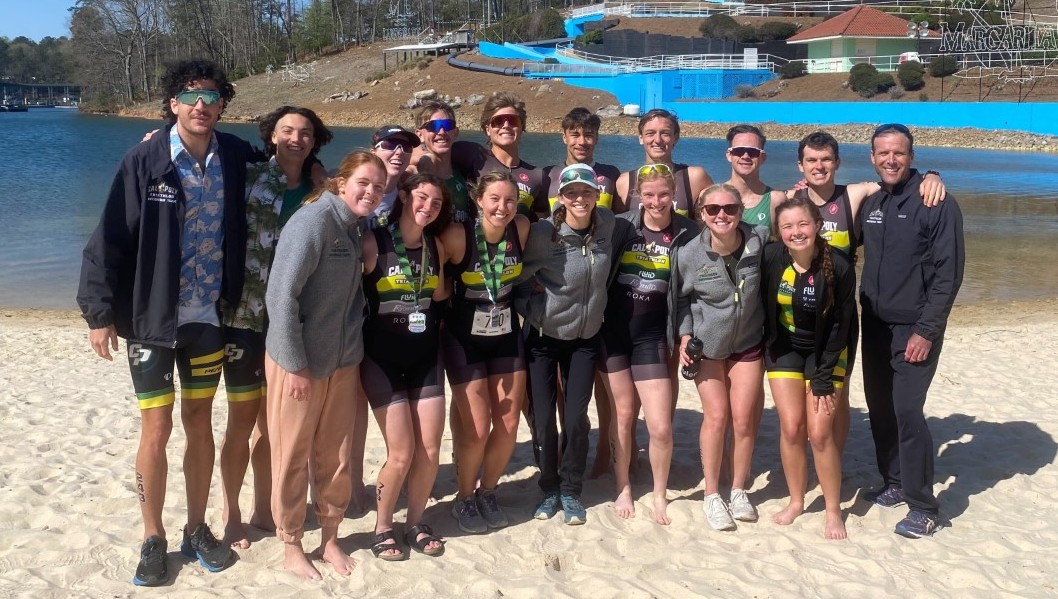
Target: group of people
<point>531,289</point>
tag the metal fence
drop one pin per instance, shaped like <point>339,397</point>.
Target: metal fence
<point>705,9</point>
<point>598,64</point>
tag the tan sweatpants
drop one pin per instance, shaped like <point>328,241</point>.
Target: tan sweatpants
<point>310,436</point>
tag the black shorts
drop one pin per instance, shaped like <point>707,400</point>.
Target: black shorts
<point>244,352</point>
<point>474,357</point>
<point>646,355</point>
<point>783,361</point>
<point>408,372</point>
<point>198,355</point>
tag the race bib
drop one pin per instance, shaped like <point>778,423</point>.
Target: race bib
<point>491,323</point>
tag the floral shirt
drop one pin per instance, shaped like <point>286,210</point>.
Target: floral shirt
<point>202,238</point>
<point>266,185</point>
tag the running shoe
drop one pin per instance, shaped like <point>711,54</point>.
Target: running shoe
<point>887,496</point>
<point>490,508</point>
<point>741,509</point>
<point>466,513</point>
<point>717,514</point>
<point>153,568</point>
<point>211,553</point>
<point>573,513</point>
<point>548,507</point>
<point>917,524</point>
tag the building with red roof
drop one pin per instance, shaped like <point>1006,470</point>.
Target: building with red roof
<point>863,34</point>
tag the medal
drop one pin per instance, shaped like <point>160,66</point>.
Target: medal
<point>416,319</point>
<point>417,322</point>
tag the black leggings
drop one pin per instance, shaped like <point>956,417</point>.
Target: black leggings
<point>575,360</point>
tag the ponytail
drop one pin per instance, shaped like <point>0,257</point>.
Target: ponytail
<point>558,216</point>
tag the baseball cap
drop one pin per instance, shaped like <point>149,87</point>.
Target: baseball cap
<point>577,173</point>
<point>395,131</point>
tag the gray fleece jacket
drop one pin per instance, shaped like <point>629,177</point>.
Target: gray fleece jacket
<point>571,275</point>
<point>727,316</point>
<point>315,299</point>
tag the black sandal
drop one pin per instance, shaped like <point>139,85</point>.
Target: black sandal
<point>411,536</point>
<point>379,547</point>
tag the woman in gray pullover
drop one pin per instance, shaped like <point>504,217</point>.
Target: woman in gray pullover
<point>315,301</point>
<point>719,305</point>
<point>569,262</point>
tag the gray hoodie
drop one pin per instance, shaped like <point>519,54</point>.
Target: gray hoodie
<point>315,299</point>
<point>571,275</point>
<point>728,317</point>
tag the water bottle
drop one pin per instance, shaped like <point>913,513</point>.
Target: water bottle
<point>694,351</point>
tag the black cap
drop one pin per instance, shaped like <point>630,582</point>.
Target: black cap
<point>395,131</point>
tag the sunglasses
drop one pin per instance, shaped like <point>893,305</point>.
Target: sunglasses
<point>649,169</point>
<point>740,151</point>
<point>892,127</point>
<point>191,97</point>
<point>438,125</point>
<point>714,209</point>
<point>391,145</point>
<point>508,120</point>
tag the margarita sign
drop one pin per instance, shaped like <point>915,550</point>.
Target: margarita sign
<point>1010,52</point>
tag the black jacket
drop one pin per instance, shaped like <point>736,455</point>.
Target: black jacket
<point>130,273</point>
<point>832,326</point>
<point>914,258</point>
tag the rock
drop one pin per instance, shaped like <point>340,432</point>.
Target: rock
<point>345,96</point>
<point>609,111</point>
<point>374,83</point>
<point>411,103</point>
<point>425,94</point>
<point>475,99</point>
<point>456,102</point>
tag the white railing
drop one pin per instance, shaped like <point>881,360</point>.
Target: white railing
<point>614,65</point>
<point>704,9</point>
<point>980,64</point>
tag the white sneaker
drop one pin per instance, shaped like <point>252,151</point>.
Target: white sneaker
<point>716,513</point>
<point>741,508</point>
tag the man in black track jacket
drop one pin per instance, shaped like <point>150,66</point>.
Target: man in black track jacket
<point>911,275</point>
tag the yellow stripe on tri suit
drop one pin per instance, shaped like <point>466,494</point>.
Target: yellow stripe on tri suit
<point>839,240</point>
<point>645,261</point>
<point>784,297</point>
<point>475,279</point>
<point>399,282</point>
<point>156,399</point>
<point>213,357</point>
<point>840,371</point>
<point>247,393</point>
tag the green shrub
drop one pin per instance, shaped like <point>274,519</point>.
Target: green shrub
<point>923,97</point>
<point>550,60</point>
<point>862,79</point>
<point>883,82</point>
<point>593,37</point>
<point>377,76</point>
<point>721,27</point>
<point>792,70</point>
<point>911,75</point>
<point>942,66</point>
<point>777,30</point>
<point>896,92</point>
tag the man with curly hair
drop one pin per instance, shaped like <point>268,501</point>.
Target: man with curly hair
<point>170,245</point>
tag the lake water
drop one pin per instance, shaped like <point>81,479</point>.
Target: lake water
<point>56,167</point>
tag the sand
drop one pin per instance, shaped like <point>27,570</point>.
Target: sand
<point>69,522</point>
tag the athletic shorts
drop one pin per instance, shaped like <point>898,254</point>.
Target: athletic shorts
<point>750,355</point>
<point>244,352</point>
<point>474,357</point>
<point>783,361</point>
<point>198,355</point>
<point>405,374</point>
<point>647,356</point>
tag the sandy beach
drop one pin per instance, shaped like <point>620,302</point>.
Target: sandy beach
<point>70,525</point>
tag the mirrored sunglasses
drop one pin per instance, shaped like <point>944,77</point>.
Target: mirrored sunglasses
<point>391,145</point>
<point>191,97</point>
<point>714,209</point>
<point>892,127</point>
<point>741,151</point>
<point>509,120</point>
<point>438,125</point>
<point>649,169</point>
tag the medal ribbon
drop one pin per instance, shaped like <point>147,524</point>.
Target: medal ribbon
<point>491,269</point>
<point>405,264</point>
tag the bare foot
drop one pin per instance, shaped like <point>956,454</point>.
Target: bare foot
<point>661,509</point>
<point>834,527</point>
<point>341,562</point>
<point>263,521</point>
<point>235,535</point>
<point>623,504</point>
<point>295,560</point>
<point>789,514</point>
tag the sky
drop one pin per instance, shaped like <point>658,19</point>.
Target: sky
<point>35,19</point>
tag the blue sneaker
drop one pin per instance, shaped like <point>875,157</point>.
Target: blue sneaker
<point>887,496</point>
<point>917,524</point>
<point>211,553</point>
<point>573,513</point>
<point>152,569</point>
<point>547,508</point>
